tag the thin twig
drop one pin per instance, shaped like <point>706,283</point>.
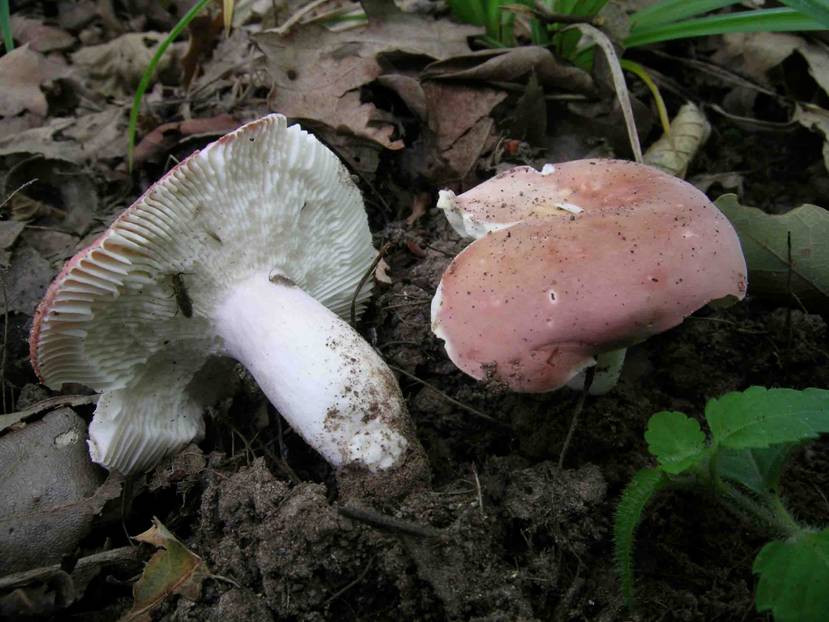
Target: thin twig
<point>451,400</point>
<point>43,405</point>
<point>588,380</point>
<point>5,341</point>
<point>389,522</point>
<point>383,250</point>
<point>298,15</point>
<point>478,489</point>
<point>543,13</point>
<point>789,329</point>
<point>18,189</point>
<point>342,591</point>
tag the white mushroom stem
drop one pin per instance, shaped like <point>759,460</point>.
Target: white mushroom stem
<point>608,370</point>
<point>329,384</point>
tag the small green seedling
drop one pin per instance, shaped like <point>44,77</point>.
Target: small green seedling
<point>752,435</point>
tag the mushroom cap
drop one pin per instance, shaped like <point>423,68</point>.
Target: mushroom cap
<point>533,302</point>
<point>264,198</point>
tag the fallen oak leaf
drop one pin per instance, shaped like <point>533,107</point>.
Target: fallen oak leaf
<point>173,569</point>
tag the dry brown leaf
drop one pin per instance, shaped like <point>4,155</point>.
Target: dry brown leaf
<point>95,136</point>
<point>513,65</point>
<point>115,68</point>
<point>40,37</point>
<point>204,34</point>
<point>381,272</point>
<point>754,54</point>
<point>168,135</point>
<point>459,123</point>
<point>815,119</point>
<point>317,74</point>
<point>22,71</point>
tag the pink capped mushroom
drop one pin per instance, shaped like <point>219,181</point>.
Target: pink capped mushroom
<point>252,249</point>
<point>575,263</point>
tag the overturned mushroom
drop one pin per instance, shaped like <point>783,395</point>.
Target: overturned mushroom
<point>251,248</point>
<point>574,264</point>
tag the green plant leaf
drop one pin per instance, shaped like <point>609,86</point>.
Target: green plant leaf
<point>817,9</point>
<point>641,489</point>
<point>469,11</point>
<point>757,20</point>
<point>173,569</point>
<point>794,578</point>
<point>757,469</point>
<point>669,11</point>
<point>760,417</point>
<point>764,238</point>
<point>676,440</point>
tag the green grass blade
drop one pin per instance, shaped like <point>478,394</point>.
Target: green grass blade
<point>762,20</point>
<point>150,71</point>
<point>636,496</point>
<point>816,9</point>
<point>469,11</point>
<point>589,8</point>
<point>670,11</point>
<point>565,6</point>
<point>6,25</point>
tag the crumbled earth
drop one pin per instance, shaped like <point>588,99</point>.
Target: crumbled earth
<point>502,533</point>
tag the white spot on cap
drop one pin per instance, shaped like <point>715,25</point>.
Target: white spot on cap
<point>569,207</point>
<point>548,169</point>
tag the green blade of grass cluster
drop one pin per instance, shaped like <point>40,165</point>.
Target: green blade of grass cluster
<point>150,71</point>
<point>761,20</point>
<point>6,25</point>
<point>671,11</point>
<point>469,11</point>
<point>817,9</point>
<point>636,496</point>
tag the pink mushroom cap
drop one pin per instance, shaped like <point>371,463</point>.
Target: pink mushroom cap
<point>632,253</point>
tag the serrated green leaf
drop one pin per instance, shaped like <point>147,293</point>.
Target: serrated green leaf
<point>676,440</point>
<point>794,578</point>
<point>756,469</point>
<point>760,417</point>
<point>764,238</point>
<point>641,489</point>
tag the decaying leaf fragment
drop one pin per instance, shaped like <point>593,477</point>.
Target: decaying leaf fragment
<point>22,72</point>
<point>673,152</point>
<point>318,74</point>
<point>774,269</point>
<point>173,569</point>
<point>115,68</point>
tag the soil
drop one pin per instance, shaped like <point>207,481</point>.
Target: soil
<point>502,533</point>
